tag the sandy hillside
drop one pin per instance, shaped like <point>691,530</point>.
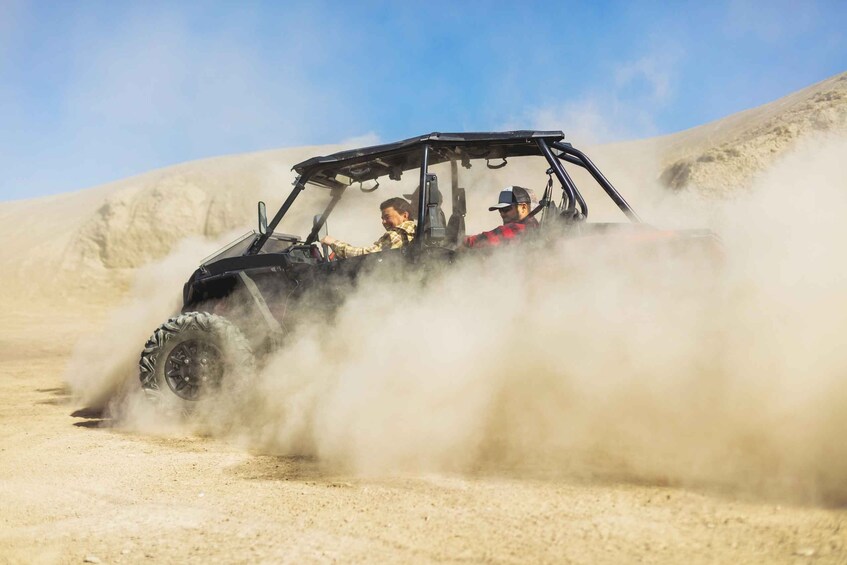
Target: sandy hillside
<point>721,158</point>
<point>647,416</point>
<point>100,235</point>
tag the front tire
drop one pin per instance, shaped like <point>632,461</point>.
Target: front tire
<point>194,355</point>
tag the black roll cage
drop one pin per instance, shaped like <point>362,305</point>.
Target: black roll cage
<point>393,159</point>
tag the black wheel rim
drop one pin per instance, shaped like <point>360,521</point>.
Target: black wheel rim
<point>192,367</point>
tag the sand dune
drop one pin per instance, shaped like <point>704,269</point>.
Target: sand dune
<point>721,158</point>
<point>98,236</point>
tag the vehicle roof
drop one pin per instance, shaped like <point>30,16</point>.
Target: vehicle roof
<point>403,155</point>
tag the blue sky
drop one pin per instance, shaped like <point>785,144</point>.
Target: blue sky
<point>92,92</point>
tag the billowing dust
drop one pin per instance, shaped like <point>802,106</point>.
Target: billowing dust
<point>586,359</point>
<point>101,363</point>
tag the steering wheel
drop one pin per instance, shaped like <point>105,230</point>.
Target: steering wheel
<point>322,252</point>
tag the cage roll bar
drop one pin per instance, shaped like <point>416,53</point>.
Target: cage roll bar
<point>423,195</point>
<point>299,186</point>
<point>573,195</point>
<point>577,157</point>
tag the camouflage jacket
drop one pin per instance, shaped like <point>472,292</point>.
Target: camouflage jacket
<point>391,239</point>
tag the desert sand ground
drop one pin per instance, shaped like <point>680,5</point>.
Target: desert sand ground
<point>80,484</point>
<point>76,489</point>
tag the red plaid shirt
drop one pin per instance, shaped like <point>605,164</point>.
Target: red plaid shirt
<point>502,234</point>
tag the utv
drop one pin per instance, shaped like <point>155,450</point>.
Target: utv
<point>241,302</point>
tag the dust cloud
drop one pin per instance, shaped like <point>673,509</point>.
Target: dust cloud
<point>103,363</point>
<point>591,359</point>
<point>584,359</point>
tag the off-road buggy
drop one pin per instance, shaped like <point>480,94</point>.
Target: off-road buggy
<point>243,300</point>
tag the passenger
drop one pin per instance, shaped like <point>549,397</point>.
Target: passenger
<point>399,231</point>
<point>515,204</point>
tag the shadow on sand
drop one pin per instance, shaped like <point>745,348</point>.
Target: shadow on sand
<point>59,396</point>
<point>92,418</point>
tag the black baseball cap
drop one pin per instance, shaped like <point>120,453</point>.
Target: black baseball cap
<point>510,196</point>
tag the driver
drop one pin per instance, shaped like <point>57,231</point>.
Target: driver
<point>399,231</point>
<point>514,204</point>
